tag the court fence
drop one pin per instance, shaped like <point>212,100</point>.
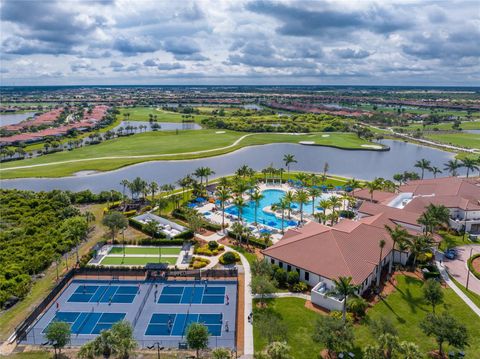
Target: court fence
<point>36,336</point>
<point>117,273</point>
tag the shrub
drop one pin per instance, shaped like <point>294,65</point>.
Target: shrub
<point>212,245</point>
<point>281,277</point>
<point>300,287</point>
<point>292,278</point>
<point>130,213</point>
<point>357,306</point>
<point>338,315</point>
<point>197,262</point>
<point>229,258</point>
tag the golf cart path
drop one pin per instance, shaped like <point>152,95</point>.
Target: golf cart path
<point>235,143</point>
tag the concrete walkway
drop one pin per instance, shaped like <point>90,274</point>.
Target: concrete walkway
<point>457,290</point>
<point>284,295</point>
<point>248,349</point>
<point>458,269</point>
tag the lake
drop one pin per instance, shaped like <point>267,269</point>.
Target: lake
<point>13,118</point>
<point>164,126</point>
<point>359,164</point>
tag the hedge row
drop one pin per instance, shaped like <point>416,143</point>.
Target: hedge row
<point>470,265</point>
<point>152,242</point>
<point>252,240</point>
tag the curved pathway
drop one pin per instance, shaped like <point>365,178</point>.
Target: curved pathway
<point>457,268</point>
<point>237,141</point>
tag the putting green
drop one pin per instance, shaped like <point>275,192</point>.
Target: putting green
<point>136,261</point>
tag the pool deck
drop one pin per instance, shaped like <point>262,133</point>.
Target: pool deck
<point>215,216</point>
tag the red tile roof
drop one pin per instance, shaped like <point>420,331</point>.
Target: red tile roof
<point>348,249</point>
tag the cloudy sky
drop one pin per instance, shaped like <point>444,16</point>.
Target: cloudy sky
<point>240,42</point>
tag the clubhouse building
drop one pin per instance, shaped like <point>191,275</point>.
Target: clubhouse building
<point>322,254</point>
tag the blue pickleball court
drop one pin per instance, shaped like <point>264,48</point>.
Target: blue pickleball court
<point>88,322</point>
<point>104,294</point>
<point>195,294</point>
<point>177,324</point>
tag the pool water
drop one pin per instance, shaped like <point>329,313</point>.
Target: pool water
<point>271,196</point>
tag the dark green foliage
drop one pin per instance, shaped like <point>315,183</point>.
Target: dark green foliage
<point>281,277</point>
<point>229,258</point>
<point>31,236</point>
<point>292,278</point>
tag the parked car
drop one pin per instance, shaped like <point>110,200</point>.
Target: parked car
<point>450,253</point>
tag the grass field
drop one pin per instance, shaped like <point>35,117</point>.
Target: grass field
<point>470,140</point>
<point>474,297</point>
<point>405,308</point>
<point>161,146</point>
<point>444,126</point>
<point>136,261</point>
<point>146,250</point>
<point>143,114</point>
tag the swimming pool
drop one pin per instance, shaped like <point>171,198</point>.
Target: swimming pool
<point>271,196</point>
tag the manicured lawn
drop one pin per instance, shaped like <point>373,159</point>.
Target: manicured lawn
<point>31,355</point>
<point>451,240</point>
<point>160,146</point>
<point>300,322</point>
<point>475,298</point>
<point>250,257</point>
<point>405,308</point>
<point>136,261</point>
<point>445,126</point>
<point>146,250</point>
<point>470,140</point>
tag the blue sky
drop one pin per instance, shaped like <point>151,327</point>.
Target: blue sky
<point>240,42</point>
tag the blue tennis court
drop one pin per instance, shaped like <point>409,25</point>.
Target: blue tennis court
<point>88,322</point>
<point>176,324</point>
<point>104,294</point>
<point>192,294</point>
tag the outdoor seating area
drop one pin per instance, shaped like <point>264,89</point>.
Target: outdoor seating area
<point>169,228</point>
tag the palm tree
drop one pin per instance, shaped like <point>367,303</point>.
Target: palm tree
<point>452,166</point>
<point>423,164</point>
<point>435,171</point>
<point>184,183</point>
<point>200,173</point>
<point>125,183</point>
<point>208,172</point>
<point>373,186</point>
<point>239,202</point>
<point>237,230</point>
<point>470,164</point>
<point>326,167</point>
<point>153,188</point>
<point>353,184</point>
<point>302,177</point>
<point>289,198</point>
<point>256,197</point>
<point>314,193</point>
<point>288,159</point>
<point>223,196</point>
<point>283,205</point>
<point>419,245</point>
<point>335,202</point>
<point>344,289</point>
<point>280,171</point>
<point>325,204</point>
<point>381,244</point>
<point>301,198</point>
<point>399,235</point>
<point>433,217</point>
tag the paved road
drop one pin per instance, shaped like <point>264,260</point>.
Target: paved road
<point>457,268</point>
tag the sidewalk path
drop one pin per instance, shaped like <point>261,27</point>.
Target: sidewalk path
<point>458,269</point>
<point>457,290</point>
<point>284,295</point>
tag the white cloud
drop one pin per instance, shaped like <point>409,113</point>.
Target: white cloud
<point>241,41</point>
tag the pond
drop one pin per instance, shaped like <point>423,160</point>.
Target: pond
<point>164,126</point>
<point>14,118</point>
<point>359,164</point>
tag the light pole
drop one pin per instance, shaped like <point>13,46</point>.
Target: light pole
<point>468,268</point>
<point>157,344</point>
